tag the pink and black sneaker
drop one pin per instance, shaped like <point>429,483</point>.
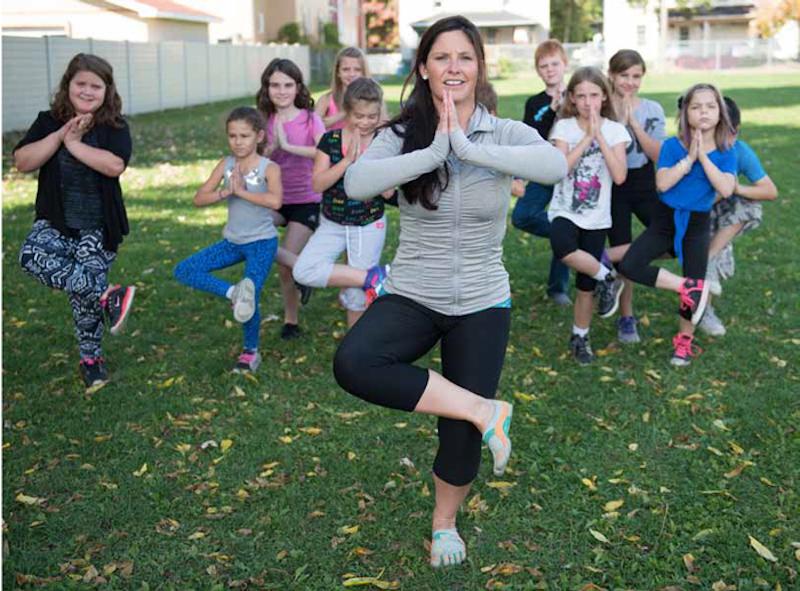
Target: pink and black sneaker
<point>684,349</point>
<point>93,372</point>
<point>117,307</point>
<point>694,297</point>
<point>247,362</point>
<point>372,284</point>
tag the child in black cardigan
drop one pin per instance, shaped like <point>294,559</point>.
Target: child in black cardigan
<point>80,146</point>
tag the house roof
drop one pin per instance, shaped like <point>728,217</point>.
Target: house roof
<point>165,9</point>
<point>496,18</point>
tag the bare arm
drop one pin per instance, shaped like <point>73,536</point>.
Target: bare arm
<point>723,182</point>
<point>574,155</point>
<point>98,159</point>
<point>272,198</point>
<point>762,190</point>
<point>323,175</point>
<point>668,177</point>
<point>615,159</point>
<point>208,194</point>
<point>649,144</point>
<point>32,156</point>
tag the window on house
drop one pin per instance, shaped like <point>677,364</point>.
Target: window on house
<point>491,35</point>
<point>641,35</point>
<point>261,23</point>
<point>683,33</point>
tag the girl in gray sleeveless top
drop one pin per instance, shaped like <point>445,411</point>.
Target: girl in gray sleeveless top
<point>251,187</point>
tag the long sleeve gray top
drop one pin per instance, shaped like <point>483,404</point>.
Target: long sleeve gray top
<point>450,259</point>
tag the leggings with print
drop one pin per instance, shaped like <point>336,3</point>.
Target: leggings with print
<point>257,256</point>
<point>78,266</point>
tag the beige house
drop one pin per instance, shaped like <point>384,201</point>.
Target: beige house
<point>312,15</point>
<point>501,22</point>
<point>114,20</point>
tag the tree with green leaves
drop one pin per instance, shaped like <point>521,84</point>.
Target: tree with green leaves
<point>575,21</point>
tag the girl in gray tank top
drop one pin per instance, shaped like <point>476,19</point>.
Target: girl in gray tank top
<point>251,187</point>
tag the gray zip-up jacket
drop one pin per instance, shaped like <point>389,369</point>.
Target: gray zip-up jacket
<point>450,260</point>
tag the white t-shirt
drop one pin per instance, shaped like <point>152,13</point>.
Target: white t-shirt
<point>584,195</point>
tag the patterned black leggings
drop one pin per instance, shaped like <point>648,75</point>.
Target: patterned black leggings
<point>78,266</point>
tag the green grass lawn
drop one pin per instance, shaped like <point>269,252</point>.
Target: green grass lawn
<point>627,474</point>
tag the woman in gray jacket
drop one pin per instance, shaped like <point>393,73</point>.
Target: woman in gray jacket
<point>454,163</point>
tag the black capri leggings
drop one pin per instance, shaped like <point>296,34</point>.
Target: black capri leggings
<point>374,360</point>
<point>566,238</point>
<point>658,239</point>
<point>636,196</point>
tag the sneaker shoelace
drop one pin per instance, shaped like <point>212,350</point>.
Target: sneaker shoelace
<point>687,302</point>
<point>685,347</point>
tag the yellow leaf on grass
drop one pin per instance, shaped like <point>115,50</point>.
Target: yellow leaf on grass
<point>373,581</point>
<point>27,500</point>
<point>361,551</point>
<point>722,586</point>
<point>401,425</point>
<point>349,529</point>
<point>486,569</point>
<point>198,535</point>
<point>225,445</point>
<point>500,484</point>
<point>141,470</point>
<point>767,481</point>
<point>523,397</point>
<point>311,430</point>
<point>183,448</point>
<point>688,562</point>
<point>598,536</point>
<point>242,494</point>
<point>287,439</point>
<point>590,484</point>
<point>715,451</point>
<point>762,550</point>
<point>238,392</point>
<point>613,505</point>
<point>102,438</point>
<point>737,470</point>
<point>736,449</point>
<point>719,424</point>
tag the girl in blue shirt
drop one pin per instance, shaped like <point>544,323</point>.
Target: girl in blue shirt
<point>732,217</point>
<point>693,168</point>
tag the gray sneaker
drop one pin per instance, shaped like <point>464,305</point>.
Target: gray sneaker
<point>711,324</point>
<point>607,294</point>
<point>243,300</point>
<point>626,330</point>
<point>559,298</point>
<point>712,277</point>
<point>581,349</point>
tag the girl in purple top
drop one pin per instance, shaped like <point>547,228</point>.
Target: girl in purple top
<point>293,132</point>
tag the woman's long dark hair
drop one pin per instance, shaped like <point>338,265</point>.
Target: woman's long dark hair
<point>418,117</point>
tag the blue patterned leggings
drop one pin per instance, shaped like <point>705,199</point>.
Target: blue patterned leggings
<point>257,256</point>
<point>78,266</point>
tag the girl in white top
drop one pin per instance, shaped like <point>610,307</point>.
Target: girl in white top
<point>580,211</point>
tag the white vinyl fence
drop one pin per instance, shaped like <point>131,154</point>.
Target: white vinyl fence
<point>149,76</point>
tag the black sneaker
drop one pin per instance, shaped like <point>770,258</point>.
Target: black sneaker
<point>694,297</point>
<point>290,331</point>
<point>93,371</point>
<point>581,349</point>
<point>305,292</point>
<point>117,307</point>
<point>607,294</point>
